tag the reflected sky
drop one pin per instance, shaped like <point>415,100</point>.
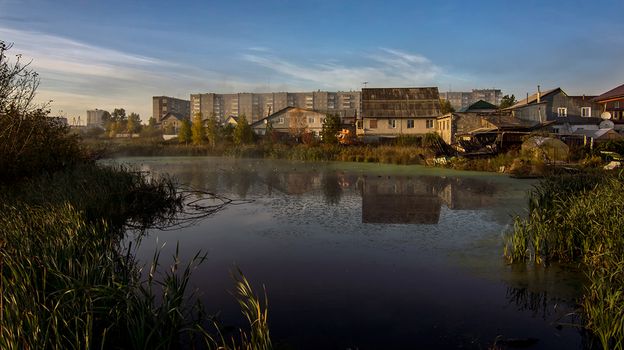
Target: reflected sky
<point>368,255</point>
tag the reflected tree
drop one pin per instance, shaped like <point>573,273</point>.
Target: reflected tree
<point>332,191</point>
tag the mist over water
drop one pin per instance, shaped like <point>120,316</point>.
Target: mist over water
<point>368,255</point>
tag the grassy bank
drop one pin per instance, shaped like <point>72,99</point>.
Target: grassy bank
<point>577,219</point>
<point>67,282</point>
<point>389,154</point>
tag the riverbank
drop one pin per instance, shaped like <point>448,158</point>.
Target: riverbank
<point>406,153</point>
<point>576,219</point>
<point>68,281</point>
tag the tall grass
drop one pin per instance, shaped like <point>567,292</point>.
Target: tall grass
<point>66,285</point>
<point>576,219</point>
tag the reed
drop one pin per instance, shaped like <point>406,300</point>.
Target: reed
<point>575,219</point>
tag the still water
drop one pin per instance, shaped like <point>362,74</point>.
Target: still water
<point>368,256</point>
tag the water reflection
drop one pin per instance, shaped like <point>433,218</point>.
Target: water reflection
<point>407,200</point>
<point>385,199</point>
<point>335,280</point>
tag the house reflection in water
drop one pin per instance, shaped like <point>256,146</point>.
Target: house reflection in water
<point>403,200</point>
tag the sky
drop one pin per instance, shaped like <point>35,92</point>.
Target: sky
<point>118,54</point>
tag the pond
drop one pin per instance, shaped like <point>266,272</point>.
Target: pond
<point>365,256</point>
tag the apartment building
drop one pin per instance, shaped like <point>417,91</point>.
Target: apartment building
<point>461,100</point>
<point>165,104</point>
<point>95,118</point>
<point>256,106</point>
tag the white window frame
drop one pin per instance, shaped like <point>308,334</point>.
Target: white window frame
<point>391,123</point>
<point>310,120</point>
<point>562,109</point>
<point>280,120</point>
<point>410,123</point>
<point>588,112</point>
<point>429,124</point>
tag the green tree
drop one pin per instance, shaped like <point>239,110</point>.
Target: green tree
<point>507,101</point>
<point>151,122</point>
<point>134,123</point>
<point>445,107</point>
<point>198,133</point>
<point>212,130</point>
<point>243,134</point>
<point>119,114</point>
<point>331,127</point>
<point>184,132</point>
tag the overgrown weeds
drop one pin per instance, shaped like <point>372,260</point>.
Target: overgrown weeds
<point>576,219</point>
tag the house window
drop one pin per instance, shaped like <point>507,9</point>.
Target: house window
<point>391,123</point>
<point>310,120</point>
<point>281,120</point>
<point>372,123</point>
<point>359,124</point>
<point>616,104</point>
<point>586,112</point>
<point>562,112</point>
<point>410,123</point>
<point>429,123</point>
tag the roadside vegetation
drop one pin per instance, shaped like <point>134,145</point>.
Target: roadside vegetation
<point>67,280</point>
<point>575,219</point>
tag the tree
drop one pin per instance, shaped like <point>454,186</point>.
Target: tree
<point>30,142</point>
<point>242,132</point>
<point>119,114</point>
<point>184,132</point>
<point>134,123</point>
<point>198,133</point>
<point>117,122</point>
<point>297,125</point>
<point>507,101</point>
<point>212,130</point>
<point>445,107</point>
<point>151,122</point>
<point>331,127</point>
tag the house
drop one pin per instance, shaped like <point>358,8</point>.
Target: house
<point>294,121</point>
<point>390,112</point>
<point>480,107</point>
<point>231,120</point>
<point>484,128</point>
<point>553,105</point>
<point>612,104</point>
<point>170,122</point>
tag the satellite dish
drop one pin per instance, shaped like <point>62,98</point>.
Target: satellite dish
<point>605,115</point>
<point>606,124</point>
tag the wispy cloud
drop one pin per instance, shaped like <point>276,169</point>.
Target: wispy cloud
<point>386,67</point>
<point>78,76</point>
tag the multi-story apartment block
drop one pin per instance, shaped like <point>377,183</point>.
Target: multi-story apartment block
<point>461,100</point>
<point>95,118</point>
<point>165,104</point>
<point>256,106</point>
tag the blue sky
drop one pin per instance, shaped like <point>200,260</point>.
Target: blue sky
<point>107,54</point>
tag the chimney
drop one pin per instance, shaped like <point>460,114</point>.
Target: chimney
<point>539,94</point>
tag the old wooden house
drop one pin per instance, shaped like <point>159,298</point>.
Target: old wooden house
<point>483,128</point>
<point>170,122</point>
<point>293,121</point>
<point>390,112</point>
<point>552,105</point>
<point>612,104</point>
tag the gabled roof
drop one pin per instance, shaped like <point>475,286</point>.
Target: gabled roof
<point>611,94</point>
<point>281,111</point>
<point>533,98</point>
<point>175,115</point>
<point>479,105</point>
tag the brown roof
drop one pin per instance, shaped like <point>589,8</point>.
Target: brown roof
<point>532,99</point>
<point>613,93</point>
<point>400,102</point>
